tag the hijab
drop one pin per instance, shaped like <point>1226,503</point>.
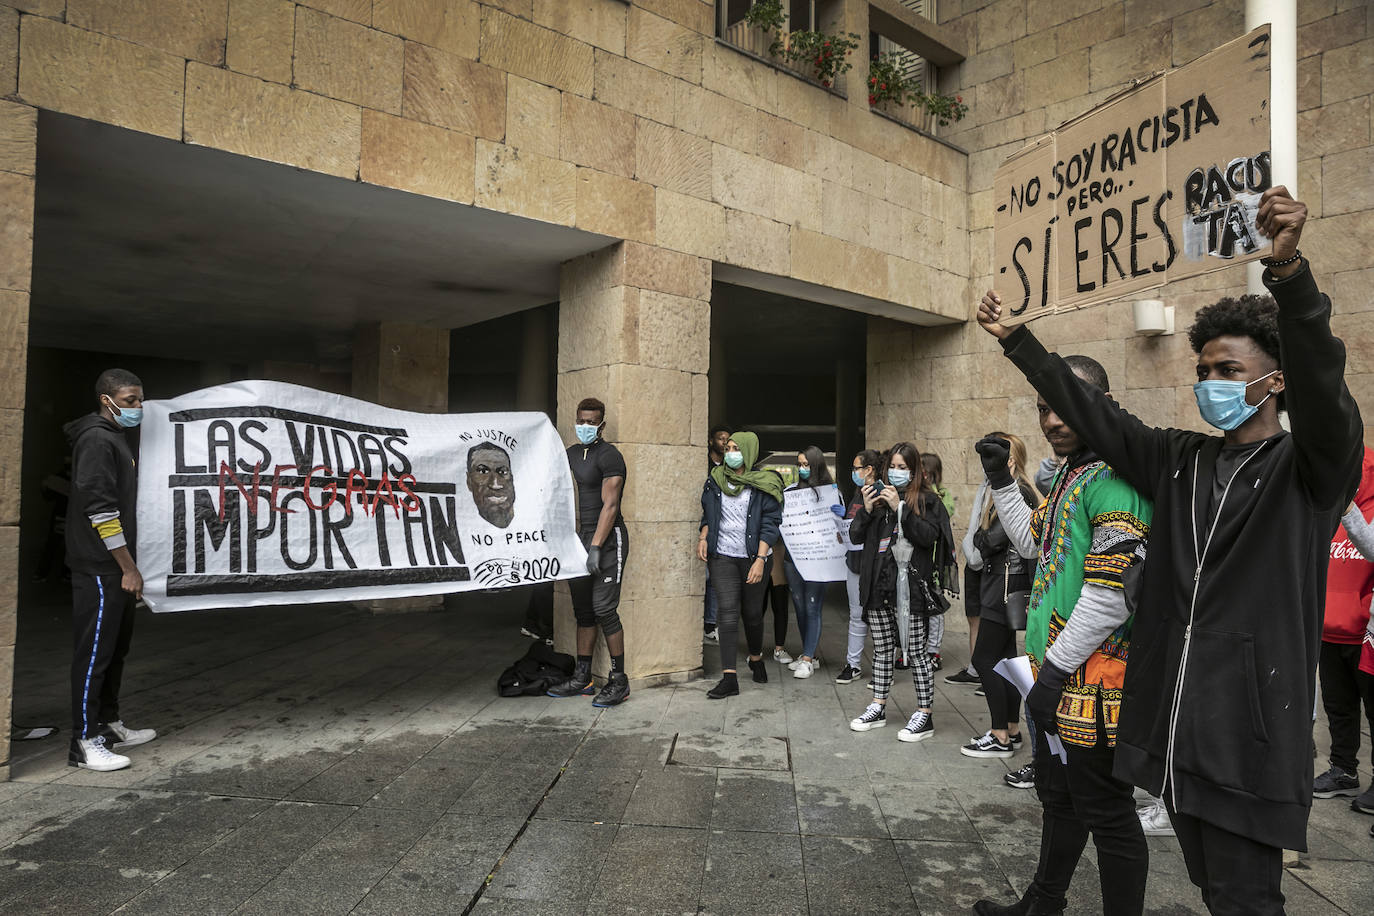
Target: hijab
<point>732,482</point>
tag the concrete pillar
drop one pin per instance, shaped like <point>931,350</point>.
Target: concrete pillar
<point>403,366</point>
<point>634,328</point>
<point>847,414</point>
<point>18,149</point>
<point>532,383</point>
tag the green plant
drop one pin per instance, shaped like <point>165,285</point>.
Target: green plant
<point>945,108</point>
<point>766,15</point>
<point>886,82</point>
<point>825,55</point>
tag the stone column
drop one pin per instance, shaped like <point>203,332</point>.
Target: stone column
<point>18,147</point>
<point>634,328</point>
<point>403,366</point>
<point>532,382</point>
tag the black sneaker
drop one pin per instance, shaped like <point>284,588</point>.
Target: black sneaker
<point>962,676</point>
<point>760,671</point>
<point>578,684</point>
<point>1335,782</point>
<point>1016,741</point>
<point>615,691</point>
<point>728,687</point>
<point>900,663</point>
<point>1364,803</point>
<point>980,692</point>
<point>987,746</point>
<point>848,675</point>
<point>1023,778</point>
<point>935,663</point>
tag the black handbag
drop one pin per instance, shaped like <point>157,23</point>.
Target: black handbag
<point>933,601</point>
<point>1017,603</point>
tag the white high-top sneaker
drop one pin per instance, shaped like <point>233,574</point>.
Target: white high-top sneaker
<point>92,754</point>
<point>118,735</point>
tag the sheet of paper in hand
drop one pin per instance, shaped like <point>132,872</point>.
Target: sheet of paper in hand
<point>1156,184</point>
<point>258,493</point>
<point>811,533</point>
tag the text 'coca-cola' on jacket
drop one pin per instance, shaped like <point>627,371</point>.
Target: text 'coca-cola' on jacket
<point>1350,574</point>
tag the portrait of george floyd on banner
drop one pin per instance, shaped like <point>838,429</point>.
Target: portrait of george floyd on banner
<point>1159,183</point>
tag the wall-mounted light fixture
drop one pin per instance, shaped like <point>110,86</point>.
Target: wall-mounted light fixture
<point>1153,317</point>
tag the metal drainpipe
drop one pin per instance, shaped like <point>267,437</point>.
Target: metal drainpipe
<point>1283,100</point>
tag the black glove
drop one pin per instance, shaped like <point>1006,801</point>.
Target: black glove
<point>995,452</point>
<point>1042,703</point>
<point>593,561</point>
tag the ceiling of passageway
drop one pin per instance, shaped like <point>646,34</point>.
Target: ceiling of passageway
<point>149,246</point>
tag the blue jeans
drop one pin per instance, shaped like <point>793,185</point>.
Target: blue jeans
<point>807,598</point>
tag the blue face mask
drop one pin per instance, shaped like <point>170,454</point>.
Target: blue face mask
<point>1222,403</point>
<point>127,417</point>
<point>857,477</point>
<point>899,477</point>
<point>586,433</point>
<point>734,460</point>
<point>804,473</point>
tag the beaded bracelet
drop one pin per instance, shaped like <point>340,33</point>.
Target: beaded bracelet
<point>1270,262</point>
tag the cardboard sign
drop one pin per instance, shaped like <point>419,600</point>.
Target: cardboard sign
<point>1157,184</point>
<point>261,493</point>
<point>811,532</point>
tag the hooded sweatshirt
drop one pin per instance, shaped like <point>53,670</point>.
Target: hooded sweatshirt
<point>1219,688</point>
<point>1350,575</point>
<point>104,497</point>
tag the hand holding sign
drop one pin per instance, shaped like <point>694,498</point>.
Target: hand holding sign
<point>1281,218</point>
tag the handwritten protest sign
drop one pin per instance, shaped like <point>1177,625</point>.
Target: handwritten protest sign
<point>261,493</point>
<point>1157,184</point>
<point>811,533</point>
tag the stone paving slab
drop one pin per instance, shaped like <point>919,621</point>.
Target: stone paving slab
<point>325,760</point>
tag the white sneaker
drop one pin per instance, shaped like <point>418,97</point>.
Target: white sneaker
<point>118,735</point>
<point>1154,819</point>
<point>92,754</point>
<point>803,669</point>
<point>712,635</point>
<point>781,656</point>
<point>875,716</point>
<point>920,727</point>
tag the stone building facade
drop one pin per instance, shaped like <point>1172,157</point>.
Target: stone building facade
<point>687,160</point>
<point>1032,64</point>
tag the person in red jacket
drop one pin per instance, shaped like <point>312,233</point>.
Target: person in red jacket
<point>1349,586</point>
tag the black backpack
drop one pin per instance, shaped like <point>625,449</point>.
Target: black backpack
<point>535,672</point>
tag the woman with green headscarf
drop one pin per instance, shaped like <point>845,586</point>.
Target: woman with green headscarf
<point>741,511</point>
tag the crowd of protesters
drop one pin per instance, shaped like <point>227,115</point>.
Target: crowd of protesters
<point>1178,595</point>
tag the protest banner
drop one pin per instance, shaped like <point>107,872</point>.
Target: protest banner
<point>259,493</point>
<point>810,531</point>
<point>1154,185</point>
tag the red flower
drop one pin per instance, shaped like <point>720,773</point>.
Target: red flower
<point>872,100</point>
<point>883,86</point>
<point>825,83</point>
<point>958,98</point>
<point>872,81</point>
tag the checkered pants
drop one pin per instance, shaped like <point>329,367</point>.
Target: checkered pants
<point>882,624</point>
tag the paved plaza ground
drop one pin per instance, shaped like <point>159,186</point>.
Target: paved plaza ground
<point>327,760</point>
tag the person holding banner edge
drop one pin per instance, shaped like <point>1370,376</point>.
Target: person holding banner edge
<point>106,582</point>
<point>1219,688</point>
<point>599,471</point>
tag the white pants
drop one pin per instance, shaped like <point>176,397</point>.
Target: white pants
<point>858,630</point>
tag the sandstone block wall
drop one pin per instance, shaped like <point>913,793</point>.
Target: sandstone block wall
<point>1034,64</point>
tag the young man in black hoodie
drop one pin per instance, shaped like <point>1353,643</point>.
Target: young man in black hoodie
<point>1217,715</point>
<point>106,582</point>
